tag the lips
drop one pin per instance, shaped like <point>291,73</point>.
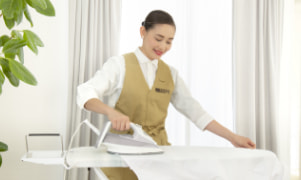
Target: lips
<point>159,53</point>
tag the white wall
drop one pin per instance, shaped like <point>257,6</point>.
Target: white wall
<point>41,108</point>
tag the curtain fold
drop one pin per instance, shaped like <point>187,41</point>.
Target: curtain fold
<point>94,37</point>
<point>257,48</point>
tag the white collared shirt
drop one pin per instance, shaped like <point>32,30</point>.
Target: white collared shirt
<point>109,82</point>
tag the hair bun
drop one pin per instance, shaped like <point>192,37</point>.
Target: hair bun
<point>157,17</point>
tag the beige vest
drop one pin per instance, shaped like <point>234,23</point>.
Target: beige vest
<point>144,106</point>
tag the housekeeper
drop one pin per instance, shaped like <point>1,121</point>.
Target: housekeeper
<point>140,87</point>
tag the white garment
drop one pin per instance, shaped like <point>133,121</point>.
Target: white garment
<point>207,163</point>
<point>109,82</point>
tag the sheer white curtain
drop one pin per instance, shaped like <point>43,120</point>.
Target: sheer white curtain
<point>201,53</point>
<point>94,37</point>
<point>264,84</point>
<point>257,46</point>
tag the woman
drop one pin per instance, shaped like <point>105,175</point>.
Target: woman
<point>140,87</point>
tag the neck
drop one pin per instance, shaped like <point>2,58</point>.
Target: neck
<point>142,50</point>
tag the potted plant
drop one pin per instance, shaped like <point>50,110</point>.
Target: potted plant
<point>11,45</point>
<point>3,147</point>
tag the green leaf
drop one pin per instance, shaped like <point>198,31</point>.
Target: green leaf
<point>10,55</point>
<point>18,16</point>
<point>5,4</point>
<point>21,72</point>
<point>3,40</point>
<point>10,23</point>
<point>10,76</point>
<point>37,3</point>
<point>16,34</point>
<point>12,11</point>
<point>48,11</point>
<point>12,46</point>
<point>7,7</point>
<point>20,7</point>
<point>0,154</point>
<point>2,78</point>
<point>20,55</point>
<point>3,147</point>
<point>32,40</point>
<point>2,61</point>
<point>28,17</point>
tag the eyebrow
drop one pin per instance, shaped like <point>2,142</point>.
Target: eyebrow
<point>161,36</point>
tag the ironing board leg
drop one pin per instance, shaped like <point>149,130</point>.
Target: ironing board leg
<point>100,174</point>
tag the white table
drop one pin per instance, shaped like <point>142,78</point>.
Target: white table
<point>176,163</point>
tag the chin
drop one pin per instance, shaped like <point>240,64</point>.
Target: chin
<point>154,57</point>
<point>157,56</point>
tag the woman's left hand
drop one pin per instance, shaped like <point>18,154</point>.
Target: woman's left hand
<point>243,142</point>
<point>236,140</point>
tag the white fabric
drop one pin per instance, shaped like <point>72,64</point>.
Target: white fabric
<point>94,36</point>
<point>109,82</point>
<point>178,163</point>
<point>195,163</point>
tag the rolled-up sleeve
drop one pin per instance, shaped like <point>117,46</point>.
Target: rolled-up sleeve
<point>103,82</point>
<point>183,101</point>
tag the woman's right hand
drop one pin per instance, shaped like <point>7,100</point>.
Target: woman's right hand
<point>120,122</point>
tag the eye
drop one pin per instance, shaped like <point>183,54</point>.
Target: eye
<point>157,39</point>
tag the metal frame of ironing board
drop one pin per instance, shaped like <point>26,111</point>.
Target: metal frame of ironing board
<point>83,157</point>
<point>61,156</point>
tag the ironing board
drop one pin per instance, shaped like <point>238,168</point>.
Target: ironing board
<point>176,163</point>
<point>82,157</point>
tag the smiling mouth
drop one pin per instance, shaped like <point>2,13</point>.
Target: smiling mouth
<point>159,53</point>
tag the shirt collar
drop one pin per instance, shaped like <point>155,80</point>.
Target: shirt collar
<point>143,59</point>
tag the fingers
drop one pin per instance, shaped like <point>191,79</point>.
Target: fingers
<point>247,143</point>
<point>127,126</point>
<point>120,122</point>
<point>243,142</point>
<point>251,144</point>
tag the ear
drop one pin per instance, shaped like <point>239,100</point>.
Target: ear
<point>142,31</point>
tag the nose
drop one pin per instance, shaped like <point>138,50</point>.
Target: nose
<point>163,46</point>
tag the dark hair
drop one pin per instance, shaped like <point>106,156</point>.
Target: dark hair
<point>157,17</point>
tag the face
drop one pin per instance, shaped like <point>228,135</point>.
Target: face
<point>157,40</point>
